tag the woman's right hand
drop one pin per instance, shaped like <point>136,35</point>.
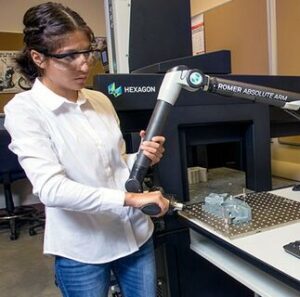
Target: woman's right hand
<point>138,200</point>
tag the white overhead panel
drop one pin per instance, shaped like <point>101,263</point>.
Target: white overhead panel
<point>117,15</point>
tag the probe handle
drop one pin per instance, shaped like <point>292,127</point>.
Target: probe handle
<point>142,163</point>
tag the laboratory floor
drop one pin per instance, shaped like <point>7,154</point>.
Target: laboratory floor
<point>26,272</point>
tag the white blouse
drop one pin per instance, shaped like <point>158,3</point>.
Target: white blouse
<point>74,156</point>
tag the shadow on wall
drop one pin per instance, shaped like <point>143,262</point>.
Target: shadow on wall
<point>286,157</point>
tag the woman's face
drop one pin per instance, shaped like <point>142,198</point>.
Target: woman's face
<point>65,76</point>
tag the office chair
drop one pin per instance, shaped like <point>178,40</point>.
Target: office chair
<point>11,171</point>
<point>39,217</point>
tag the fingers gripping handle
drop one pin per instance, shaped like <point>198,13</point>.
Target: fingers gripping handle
<point>152,209</point>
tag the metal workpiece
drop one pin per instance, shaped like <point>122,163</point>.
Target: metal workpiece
<point>268,211</point>
<point>232,210</point>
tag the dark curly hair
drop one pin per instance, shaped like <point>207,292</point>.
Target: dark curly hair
<point>44,28</point>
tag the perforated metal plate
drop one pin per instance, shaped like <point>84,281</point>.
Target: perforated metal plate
<point>268,211</point>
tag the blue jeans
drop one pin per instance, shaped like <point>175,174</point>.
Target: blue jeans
<point>135,274</point>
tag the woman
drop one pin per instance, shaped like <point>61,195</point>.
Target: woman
<point>69,143</point>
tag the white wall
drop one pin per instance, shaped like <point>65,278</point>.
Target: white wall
<point>12,11</point>
<point>286,158</point>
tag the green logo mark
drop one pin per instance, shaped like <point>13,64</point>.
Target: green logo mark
<point>112,90</point>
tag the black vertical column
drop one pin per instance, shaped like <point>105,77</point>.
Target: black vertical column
<point>159,30</point>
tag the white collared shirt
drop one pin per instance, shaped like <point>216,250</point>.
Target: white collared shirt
<point>74,156</point>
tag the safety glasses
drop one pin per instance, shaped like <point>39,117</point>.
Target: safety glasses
<point>91,56</point>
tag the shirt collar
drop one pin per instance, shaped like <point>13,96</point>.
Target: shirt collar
<point>51,100</point>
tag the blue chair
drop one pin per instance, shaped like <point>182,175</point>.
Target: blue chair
<point>11,171</point>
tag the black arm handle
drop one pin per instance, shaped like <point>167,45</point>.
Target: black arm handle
<point>142,163</point>
<point>151,209</point>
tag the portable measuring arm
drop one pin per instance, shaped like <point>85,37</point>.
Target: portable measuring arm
<point>180,77</point>
<point>175,79</point>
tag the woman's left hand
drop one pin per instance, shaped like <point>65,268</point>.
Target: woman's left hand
<point>153,149</point>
